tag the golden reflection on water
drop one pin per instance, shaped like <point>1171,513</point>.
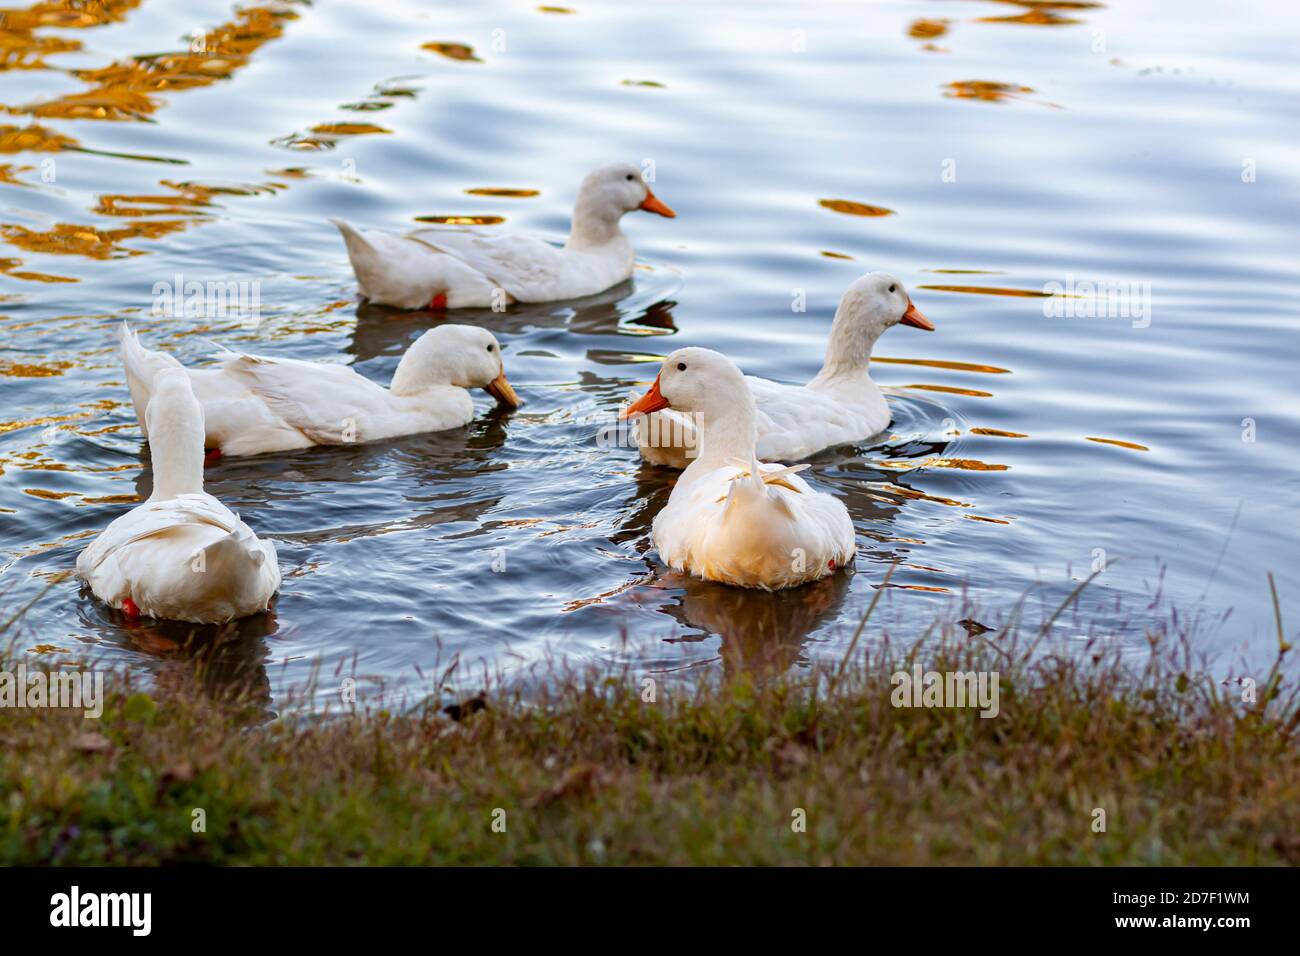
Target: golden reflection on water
<point>33,139</point>
<point>463,220</point>
<point>960,464</point>
<point>1041,13</point>
<point>851,208</point>
<point>33,422</point>
<point>992,290</point>
<point>1118,443</point>
<point>942,363</point>
<point>348,129</point>
<point>24,370</point>
<point>453,51</point>
<point>125,90</point>
<point>924,29</point>
<point>951,390</point>
<point>991,91</point>
<point>10,268</point>
<point>72,239</point>
<point>504,193</point>
<point>914,495</point>
<point>22,49</point>
<point>128,89</point>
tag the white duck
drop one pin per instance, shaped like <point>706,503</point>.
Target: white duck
<point>254,405</point>
<point>449,267</point>
<point>182,555</point>
<point>729,518</point>
<point>840,406</point>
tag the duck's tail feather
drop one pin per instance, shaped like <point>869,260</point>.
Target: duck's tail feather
<point>237,553</point>
<point>757,486</point>
<point>141,366</point>
<point>365,258</point>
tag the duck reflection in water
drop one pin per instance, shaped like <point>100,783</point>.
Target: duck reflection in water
<point>227,662</point>
<point>763,633</point>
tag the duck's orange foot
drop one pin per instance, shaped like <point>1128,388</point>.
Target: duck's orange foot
<point>131,610</point>
<point>831,564</point>
<point>438,302</point>
<point>211,456</point>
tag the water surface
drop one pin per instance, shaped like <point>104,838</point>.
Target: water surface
<point>980,151</point>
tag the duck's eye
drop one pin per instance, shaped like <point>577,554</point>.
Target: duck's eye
<point>491,347</point>
<point>630,177</point>
<point>892,288</point>
<point>681,366</point>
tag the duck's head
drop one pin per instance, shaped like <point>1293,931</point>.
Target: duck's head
<point>869,307</point>
<point>698,381</point>
<point>876,302</point>
<point>461,355</point>
<point>611,191</point>
<point>172,400</point>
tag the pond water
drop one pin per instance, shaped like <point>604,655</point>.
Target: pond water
<point>997,157</point>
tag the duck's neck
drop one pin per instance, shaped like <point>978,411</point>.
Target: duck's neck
<point>176,453</point>
<point>848,350</point>
<point>595,224</point>
<point>731,433</point>
<point>423,366</point>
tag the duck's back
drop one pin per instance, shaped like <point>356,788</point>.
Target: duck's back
<point>727,527</point>
<point>185,558</point>
<point>796,421</point>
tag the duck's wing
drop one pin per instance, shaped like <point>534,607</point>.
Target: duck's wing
<point>157,518</point>
<point>795,422</point>
<point>527,268</point>
<point>330,404</point>
<point>756,525</point>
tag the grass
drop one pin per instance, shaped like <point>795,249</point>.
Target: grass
<point>584,770</point>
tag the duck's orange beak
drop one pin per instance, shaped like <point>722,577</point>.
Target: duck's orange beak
<point>915,319</point>
<point>651,401</point>
<point>501,389</point>
<point>654,204</point>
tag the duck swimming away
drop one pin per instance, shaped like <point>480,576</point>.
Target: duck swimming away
<point>182,555</point>
<point>729,518</point>
<point>253,405</point>
<point>840,406</point>
<point>451,267</point>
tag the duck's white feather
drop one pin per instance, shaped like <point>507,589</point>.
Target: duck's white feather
<point>334,404</point>
<point>188,558</point>
<point>253,405</point>
<point>840,406</point>
<point>479,267</point>
<point>529,269</point>
<point>772,533</point>
<point>182,555</point>
<point>405,272</point>
<point>729,518</point>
